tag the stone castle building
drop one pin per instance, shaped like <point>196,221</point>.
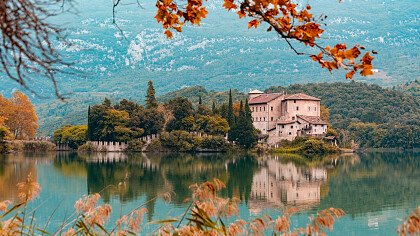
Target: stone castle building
<point>286,116</point>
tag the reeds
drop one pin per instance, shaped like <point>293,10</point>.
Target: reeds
<point>207,214</point>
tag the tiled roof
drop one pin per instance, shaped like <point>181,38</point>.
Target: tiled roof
<point>300,96</point>
<point>264,98</point>
<point>312,119</point>
<point>285,122</point>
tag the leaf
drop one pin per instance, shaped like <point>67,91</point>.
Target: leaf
<point>350,74</point>
<point>168,34</point>
<point>253,23</point>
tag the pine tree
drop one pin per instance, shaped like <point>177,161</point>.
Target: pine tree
<point>151,101</point>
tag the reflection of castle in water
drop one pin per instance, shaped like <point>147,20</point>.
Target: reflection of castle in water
<point>277,185</point>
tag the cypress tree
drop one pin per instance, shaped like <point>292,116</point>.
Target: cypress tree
<point>230,116</point>
<point>89,128</point>
<point>199,101</point>
<point>151,101</point>
<point>213,109</point>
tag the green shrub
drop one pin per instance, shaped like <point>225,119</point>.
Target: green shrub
<point>316,147</point>
<point>215,143</point>
<point>135,145</point>
<point>180,140</point>
<point>36,146</point>
<point>87,147</point>
<point>154,146</point>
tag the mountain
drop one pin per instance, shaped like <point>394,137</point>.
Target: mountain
<point>222,53</point>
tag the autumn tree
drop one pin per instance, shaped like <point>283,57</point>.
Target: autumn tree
<point>151,101</point>
<point>19,116</point>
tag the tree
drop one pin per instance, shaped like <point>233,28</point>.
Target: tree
<point>74,136</point>
<point>243,131</point>
<point>214,109</point>
<point>180,108</point>
<point>22,120</point>
<point>151,101</point>
<point>325,113</point>
<point>214,125</point>
<point>230,115</point>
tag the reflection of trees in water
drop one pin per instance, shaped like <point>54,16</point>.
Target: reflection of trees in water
<point>14,168</point>
<point>376,181</point>
<point>241,174</point>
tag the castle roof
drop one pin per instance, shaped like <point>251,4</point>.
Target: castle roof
<point>264,98</point>
<point>316,120</point>
<point>300,96</point>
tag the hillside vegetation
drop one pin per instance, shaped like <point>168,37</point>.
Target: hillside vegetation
<point>371,115</point>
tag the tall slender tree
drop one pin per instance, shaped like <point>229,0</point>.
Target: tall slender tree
<point>230,115</point>
<point>151,101</point>
<point>214,109</point>
<point>89,128</point>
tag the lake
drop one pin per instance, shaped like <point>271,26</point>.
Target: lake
<point>376,190</point>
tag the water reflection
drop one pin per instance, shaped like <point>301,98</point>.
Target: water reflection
<point>358,184</point>
<point>277,185</point>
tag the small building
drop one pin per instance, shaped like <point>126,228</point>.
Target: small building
<point>286,116</point>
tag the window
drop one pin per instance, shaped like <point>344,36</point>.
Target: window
<point>271,108</point>
<point>264,108</point>
<point>260,108</point>
<point>297,108</point>
<point>282,126</point>
<point>272,118</point>
<point>264,118</point>
<point>293,118</point>
<point>291,126</point>
<point>315,130</point>
<point>252,108</point>
<point>316,125</point>
<point>294,101</point>
<point>290,133</point>
<point>309,108</point>
<point>315,108</point>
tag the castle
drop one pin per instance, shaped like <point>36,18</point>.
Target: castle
<point>286,116</point>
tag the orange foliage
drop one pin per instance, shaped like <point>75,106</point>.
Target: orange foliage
<point>18,114</point>
<point>411,225</point>
<point>284,17</point>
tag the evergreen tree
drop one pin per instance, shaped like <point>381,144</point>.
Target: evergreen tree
<point>89,128</point>
<point>199,101</point>
<point>214,109</point>
<point>107,102</point>
<point>151,101</point>
<point>243,131</point>
<point>230,115</point>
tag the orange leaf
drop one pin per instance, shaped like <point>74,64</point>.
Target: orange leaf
<point>350,74</point>
<point>253,23</point>
<point>168,34</point>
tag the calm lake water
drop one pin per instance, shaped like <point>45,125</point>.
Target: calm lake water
<point>376,190</point>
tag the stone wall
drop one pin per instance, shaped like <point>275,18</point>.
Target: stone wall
<point>105,146</point>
